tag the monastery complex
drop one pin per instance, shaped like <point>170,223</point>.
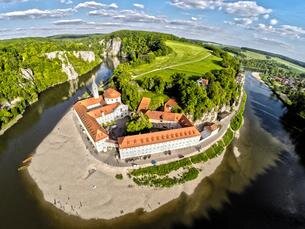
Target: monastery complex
<point>170,130</point>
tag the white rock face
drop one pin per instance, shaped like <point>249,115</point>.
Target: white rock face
<point>27,73</point>
<point>67,67</point>
<point>113,47</point>
<point>88,56</point>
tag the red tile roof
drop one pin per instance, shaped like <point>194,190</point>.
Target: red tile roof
<point>92,101</point>
<point>157,137</point>
<point>111,93</point>
<point>165,116</point>
<point>212,127</point>
<point>170,104</point>
<point>96,132</point>
<point>144,104</point>
<point>106,109</point>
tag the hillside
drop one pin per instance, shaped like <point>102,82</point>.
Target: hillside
<point>29,66</point>
<point>186,58</point>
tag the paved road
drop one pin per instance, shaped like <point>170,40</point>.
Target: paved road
<point>172,66</point>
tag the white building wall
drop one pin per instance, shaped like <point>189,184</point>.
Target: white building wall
<point>120,112</point>
<point>100,145</point>
<point>93,106</point>
<point>159,147</point>
<point>112,101</point>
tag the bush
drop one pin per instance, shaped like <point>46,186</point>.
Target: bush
<point>228,137</point>
<point>119,176</point>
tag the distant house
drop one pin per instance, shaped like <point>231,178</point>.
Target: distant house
<point>144,105</point>
<point>222,115</point>
<point>203,82</point>
<point>169,105</point>
<point>209,130</point>
<point>93,112</point>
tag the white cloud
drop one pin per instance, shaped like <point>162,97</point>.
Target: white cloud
<point>96,5</point>
<point>284,30</point>
<point>128,15</point>
<point>69,22</point>
<point>271,41</point>
<point>241,8</point>
<point>66,2</point>
<point>198,4</point>
<point>137,5</point>
<point>291,30</point>
<point>37,13</point>
<point>194,18</point>
<point>266,16</point>
<point>273,21</point>
<point>244,21</point>
<point>246,9</point>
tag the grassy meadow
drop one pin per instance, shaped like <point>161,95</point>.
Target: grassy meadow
<point>186,58</point>
<point>254,55</point>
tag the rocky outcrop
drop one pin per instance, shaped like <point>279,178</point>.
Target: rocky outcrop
<point>27,73</point>
<point>67,67</point>
<point>113,47</point>
<point>88,56</point>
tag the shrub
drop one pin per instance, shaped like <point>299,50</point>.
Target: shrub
<point>119,176</point>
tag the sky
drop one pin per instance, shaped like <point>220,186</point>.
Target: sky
<point>272,25</point>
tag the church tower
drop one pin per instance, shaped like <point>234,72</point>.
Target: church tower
<point>94,88</point>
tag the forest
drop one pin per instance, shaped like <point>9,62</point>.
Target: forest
<point>17,90</point>
<point>194,99</point>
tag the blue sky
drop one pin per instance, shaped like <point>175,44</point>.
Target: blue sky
<point>272,25</point>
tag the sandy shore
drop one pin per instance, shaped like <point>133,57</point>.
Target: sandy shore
<point>256,75</point>
<point>61,165</point>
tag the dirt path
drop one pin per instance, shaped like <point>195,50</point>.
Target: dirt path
<point>172,66</point>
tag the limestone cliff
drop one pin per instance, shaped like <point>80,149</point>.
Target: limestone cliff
<point>88,56</point>
<point>27,73</point>
<point>67,67</point>
<point>113,47</point>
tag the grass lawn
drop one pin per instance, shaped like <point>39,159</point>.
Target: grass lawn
<point>292,65</point>
<point>186,58</point>
<point>254,55</point>
<point>156,99</point>
<point>259,56</point>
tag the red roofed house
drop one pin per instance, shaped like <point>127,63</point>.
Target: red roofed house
<point>144,104</point>
<point>93,112</point>
<point>203,82</point>
<point>210,130</point>
<point>180,133</point>
<point>169,105</point>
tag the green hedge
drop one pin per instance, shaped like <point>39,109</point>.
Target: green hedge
<point>166,181</point>
<point>237,120</point>
<point>162,170</point>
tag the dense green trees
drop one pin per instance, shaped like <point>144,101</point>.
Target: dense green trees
<point>142,47</point>
<point>30,53</point>
<point>138,123</point>
<point>122,80</point>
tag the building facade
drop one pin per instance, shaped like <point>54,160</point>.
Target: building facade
<point>93,112</point>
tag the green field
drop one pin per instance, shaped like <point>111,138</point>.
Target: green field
<point>259,56</point>
<point>186,58</point>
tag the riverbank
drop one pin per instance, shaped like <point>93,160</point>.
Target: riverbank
<point>15,120</point>
<point>74,181</point>
<point>92,189</point>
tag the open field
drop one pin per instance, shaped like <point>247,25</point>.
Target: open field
<point>259,56</point>
<point>186,58</point>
